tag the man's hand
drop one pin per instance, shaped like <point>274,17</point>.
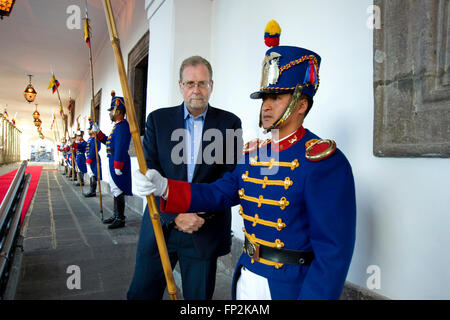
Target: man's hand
<point>188,222</point>
<point>152,182</point>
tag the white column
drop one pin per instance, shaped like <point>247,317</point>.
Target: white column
<point>178,29</point>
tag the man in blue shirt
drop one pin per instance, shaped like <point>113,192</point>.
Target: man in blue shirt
<point>177,143</point>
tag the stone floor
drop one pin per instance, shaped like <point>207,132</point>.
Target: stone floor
<point>68,254</point>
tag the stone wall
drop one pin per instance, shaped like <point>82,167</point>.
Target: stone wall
<point>412,79</point>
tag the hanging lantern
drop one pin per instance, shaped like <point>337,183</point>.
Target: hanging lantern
<point>6,7</point>
<point>30,93</point>
<point>36,113</point>
<point>37,122</point>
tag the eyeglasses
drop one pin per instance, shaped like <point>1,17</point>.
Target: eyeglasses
<point>200,84</point>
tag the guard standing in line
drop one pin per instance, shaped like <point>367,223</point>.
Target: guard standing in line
<point>117,145</point>
<point>69,150</point>
<point>60,148</point>
<point>64,150</point>
<point>91,161</point>
<point>296,192</point>
<point>79,147</point>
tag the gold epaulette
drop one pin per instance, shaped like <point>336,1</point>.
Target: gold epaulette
<point>255,144</point>
<point>319,149</point>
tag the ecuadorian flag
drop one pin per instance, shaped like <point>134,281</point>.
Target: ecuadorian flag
<point>54,84</point>
<point>87,37</point>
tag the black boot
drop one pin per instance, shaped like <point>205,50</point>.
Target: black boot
<point>113,218</point>
<point>93,185</point>
<point>119,222</point>
<point>81,176</point>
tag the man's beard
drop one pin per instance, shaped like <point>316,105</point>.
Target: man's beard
<point>197,104</point>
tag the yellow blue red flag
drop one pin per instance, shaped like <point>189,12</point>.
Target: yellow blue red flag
<point>87,36</point>
<point>54,84</point>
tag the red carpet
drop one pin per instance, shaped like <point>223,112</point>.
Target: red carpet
<point>6,179</point>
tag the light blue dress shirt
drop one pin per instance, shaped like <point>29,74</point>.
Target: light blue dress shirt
<point>194,130</point>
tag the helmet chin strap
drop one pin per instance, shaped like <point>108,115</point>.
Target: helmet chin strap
<point>287,112</point>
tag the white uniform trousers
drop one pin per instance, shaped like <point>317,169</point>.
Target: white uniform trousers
<point>251,286</point>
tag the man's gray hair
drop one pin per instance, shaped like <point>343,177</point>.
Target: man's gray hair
<point>195,61</point>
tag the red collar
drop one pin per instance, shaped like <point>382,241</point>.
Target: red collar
<point>289,141</point>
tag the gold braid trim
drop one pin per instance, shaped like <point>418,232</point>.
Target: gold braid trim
<point>254,162</point>
<point>286,183</point>
<point>282,203</point>
<point>279,225</point>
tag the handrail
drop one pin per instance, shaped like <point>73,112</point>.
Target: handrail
<point>9,197</point>
<point>10,214</point>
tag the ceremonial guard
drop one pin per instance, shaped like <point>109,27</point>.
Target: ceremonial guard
<point>79,147</point>
<point>72,169</point>
<point>66,150</point>
<point>117,145</point>
<point>91,161</point>
<point>296,191</point>
<point>61,149</point>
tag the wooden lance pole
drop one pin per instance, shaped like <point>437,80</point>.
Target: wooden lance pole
<point>93,117</point>
<point>134,130</point>
<point>67,132</point>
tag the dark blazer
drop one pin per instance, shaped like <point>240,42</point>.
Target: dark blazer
<point>214,237</point>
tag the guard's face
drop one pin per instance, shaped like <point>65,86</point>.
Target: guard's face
<point>273,107</point>
<point>196,87</point>
<point>112,114</point>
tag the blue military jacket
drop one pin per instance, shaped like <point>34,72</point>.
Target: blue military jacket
<point>117,145</point>
<point>287,202</point>
<point>91,158</point>
<point>80,149</point>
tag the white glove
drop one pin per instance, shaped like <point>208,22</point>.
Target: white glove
<point>118,172</point>
<point>152,182</point>
<point>95,128</point>
<point>69,143</point>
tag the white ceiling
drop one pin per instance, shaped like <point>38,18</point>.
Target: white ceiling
<point>34,40</point>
